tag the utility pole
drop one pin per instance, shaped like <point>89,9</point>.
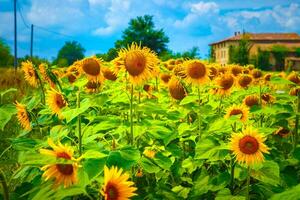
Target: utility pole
<point>31,42</point>
<point>15,27</point>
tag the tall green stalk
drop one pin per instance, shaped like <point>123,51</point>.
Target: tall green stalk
<point>42,89</point>
<point>131,115</point>
<point>297,121</point>
<point>79,125</point>
<point>4,186</point>
<point>232,165</point>
<point>248,184</point>
<point>199,112</point>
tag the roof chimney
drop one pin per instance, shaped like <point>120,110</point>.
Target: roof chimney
<point>235,33</point>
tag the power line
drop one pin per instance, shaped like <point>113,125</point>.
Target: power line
<point>20,12</point>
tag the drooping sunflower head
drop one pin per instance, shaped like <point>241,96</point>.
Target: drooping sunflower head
<point>251,100</point>
<point>248,147</point>
<point>213,72</point>
<point>92,87</point>
<point>176,89</point>
<point>236,70</point>
<point>109,74</point>
<point>30,73</point>
<point>196,72</point>
<point>56,101</point>
<point>180,71</point>
<point>64,174</point>
<point>23,116</point>
<point>43,67</point>
<point>294,91</point>
<point>138,62</point>
<point>225,83</point>
<point>267,98</point>
<point>165,78</point>
<point>244,80</point>
<point>282,132</point>
<point>116,185</point>
<point>256,73</point>
<point>294,77</point>
<point>91,66</point>
<point>267,77</point>
<point>238,110</point>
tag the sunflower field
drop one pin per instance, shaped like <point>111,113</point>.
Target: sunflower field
<point>141,128</point>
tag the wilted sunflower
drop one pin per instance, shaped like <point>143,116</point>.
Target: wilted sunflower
<point>176,89</point>
<point>139,62</point>
<point>116,185</point>
<point>282,132</point>
<point>196,72</point>
<point>267,98</point>
<point>248,146</point>
<point>294,77</point>
<point>23,116</point>
<point>244,80</point>
<point>251,100</point>
<point>56,101</point>
<point>238,110</point>
<point>91,66</point>
<point>30,73</point>
<point>225,83</point>
<point>109,74</point>
<point>294,91</point>
<point>92,87</point>
<point>165,78</point>
<point>65,174</point>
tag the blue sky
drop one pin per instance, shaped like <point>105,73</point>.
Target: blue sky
<point>96,24</point>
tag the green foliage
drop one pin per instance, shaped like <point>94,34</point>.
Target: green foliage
<point>193,53</point>
<point>279,52</point>
<point>142,31</point>
<point>69,53</point>
<point>35,60</point>
<point>6,59</point>
<point>110,55</point>
<point>240,54</point>
<point>297,51</point>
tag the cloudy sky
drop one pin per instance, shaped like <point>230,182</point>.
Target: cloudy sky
<point>96,24</point>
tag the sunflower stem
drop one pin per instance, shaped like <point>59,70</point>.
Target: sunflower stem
<point>131,115</point>
<point>79,125</point>
<point>232,175</point>
<point>219,108</point>
<point>4,186</point>
<point>199,117</point>
<point>248,184</point>
<point>297,121</point>
<point>42,89</point>
<point>260,103</point>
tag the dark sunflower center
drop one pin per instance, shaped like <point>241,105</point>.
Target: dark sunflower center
<point>59,101</point>
<point>268,77</point>
<point>165,78</point>
<point>248,145</point>
<point>251,101</point>
<point>244,81</point>
<point>135,63</point>
<point>236,71</point>
<point>196,70</point>
<point>266,97</point>
<point>256,73</point>
<point>236,112</point>
<point>176,90</point>
<point>91,67</point>
<point>65,169</point>
<point>109,75</point>
<point>112,192</point>
<point>283,132</point>
<point>92,85</point>
<point>294,79</point>
<point>71,78</point>
<point>226,83</point>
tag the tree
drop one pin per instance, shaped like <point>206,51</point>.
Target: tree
<point>190,54</point>
<point>35,60</point>
<point>6,59</point>
<point>279,52</point>
<point>142,31</point>
<point>297,52</point>
<point>263,59</point>
<point>240,54</point>
<point>110,55</point>
<point>69,53</point>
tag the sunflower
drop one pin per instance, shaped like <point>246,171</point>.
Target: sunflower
<point>30,73</point>
<point>65,174</point>
<point>176,89</point>
<point>248,146</point>
<point>149,153</point>
<point>139,62</point>
<point>267,98</point>
<point>223,70</point>
<point>238,110</point>
<point>116,185</point>
<point>236,70</point>
<point>180,71</point>
<point>294,77</point>
<point>44,73</point>
<point>91,66</point>
<point>92,87</point>
<point>294,91</point>
<point>213,72</point>
<point>251,100</point>
<point>109,74</point>
<point>196,72</point>
<point>23,116</point>
<point>282,132</point>
<point>244,80</point>
<point>267,77</point>
<point>165,78</point>
<point>224,82</point>
<point>256,73</point>
<point>56,101</point>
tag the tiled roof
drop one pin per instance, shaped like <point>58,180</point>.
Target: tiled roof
<point>264,37</point>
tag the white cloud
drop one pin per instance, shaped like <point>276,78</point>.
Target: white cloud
<point>198,12</point>
<point>117,14</point>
